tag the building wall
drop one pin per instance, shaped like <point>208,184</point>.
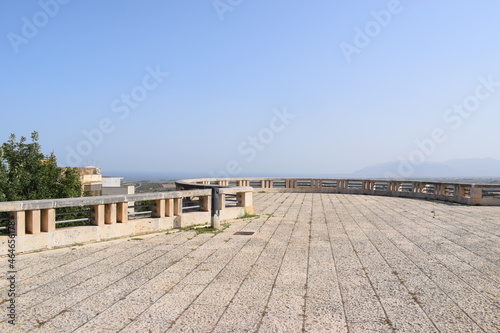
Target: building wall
<point>111,181</point>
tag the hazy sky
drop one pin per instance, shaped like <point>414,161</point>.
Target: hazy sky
<point>244,87</point>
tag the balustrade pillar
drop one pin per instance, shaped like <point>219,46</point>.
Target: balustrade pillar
<point>122,212</point>
<point>205,203</point>
<point>222,201</point>
<point>33,219</point>
<point>110,213</point>
<point>159,209</point>
<point>177,206</point>
<point>476,194</point>
<point>98,216</point>
<point>245,199</point>
<point>169,207</point>
<point>48,220</point>
<point>20,222</point>
<point>242,183</point>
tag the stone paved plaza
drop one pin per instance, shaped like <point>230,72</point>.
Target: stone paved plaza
<point>315,263</point>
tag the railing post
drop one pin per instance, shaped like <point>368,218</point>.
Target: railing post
<point>205,204</point>
<point>390,186</point>
<point>476,194</point>
<point>33,221</point>
<point>222,201</point>
<point>437,189</point>
<point>48,220</point>
<point>159,210</point>
<point>98,215</point>
<point>177,206</point>
<point>245,199</point>
<point>169,207</point>
<point>20,222</point>
<point>242,182</point>
<point>110,213</point>
<point>122,212</point>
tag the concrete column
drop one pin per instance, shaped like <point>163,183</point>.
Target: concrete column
<point>222,201</point>
<point>438,189</point>
<point>476,194</point>
<point>33,221</point>
<point>177,206</point>
<point>98,215</point>
<point>48,220</point>
<point>110,213</point>
<point>205,203</point>
<point>245,199</point>
<point>159,208</point>
<point>20,222</point>
<point>122,212</point>
<point>242,183</point>
<point>169,207</point>
<point>390,186</point>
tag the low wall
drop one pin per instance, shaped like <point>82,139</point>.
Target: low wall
<point>467,194</point>
<point>33,224</point>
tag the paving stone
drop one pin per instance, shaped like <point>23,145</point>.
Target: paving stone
<point>315,263</point>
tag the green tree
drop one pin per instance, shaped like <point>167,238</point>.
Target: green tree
<point>27,174</point>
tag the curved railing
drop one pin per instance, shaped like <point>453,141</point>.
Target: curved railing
<point>38,224</point>
<point>468,194</point>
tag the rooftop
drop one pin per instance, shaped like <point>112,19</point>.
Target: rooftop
<point>316,262</point>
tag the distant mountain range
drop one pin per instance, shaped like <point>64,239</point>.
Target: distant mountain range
<point>459,168</point>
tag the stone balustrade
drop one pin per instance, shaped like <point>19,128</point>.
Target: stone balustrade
<point>468,194</point>
<point>34,222</point>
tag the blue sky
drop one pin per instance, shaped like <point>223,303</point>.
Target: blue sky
<point>252,87</point>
